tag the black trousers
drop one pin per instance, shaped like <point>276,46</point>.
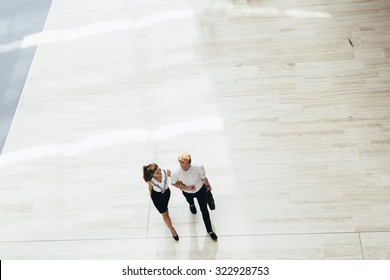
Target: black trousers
<point>202,200</point>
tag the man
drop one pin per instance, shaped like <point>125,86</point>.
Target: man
<point>191,179</point>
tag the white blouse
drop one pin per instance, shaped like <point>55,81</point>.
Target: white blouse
<point>163,185</point>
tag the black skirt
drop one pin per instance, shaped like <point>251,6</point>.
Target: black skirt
<point>160,200</point>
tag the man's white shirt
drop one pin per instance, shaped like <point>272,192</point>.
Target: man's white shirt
<point>193,176</point>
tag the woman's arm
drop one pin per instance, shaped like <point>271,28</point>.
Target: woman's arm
<point>150,187</point>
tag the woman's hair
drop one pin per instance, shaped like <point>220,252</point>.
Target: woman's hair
<point>149,171</point>
<point>185,157</point>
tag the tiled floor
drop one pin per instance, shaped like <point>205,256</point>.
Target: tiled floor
<point>291,121</point>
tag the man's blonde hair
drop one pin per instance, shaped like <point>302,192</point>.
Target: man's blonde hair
<point>185,157</point>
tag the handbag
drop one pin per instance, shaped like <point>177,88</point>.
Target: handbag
<point>210,200</point>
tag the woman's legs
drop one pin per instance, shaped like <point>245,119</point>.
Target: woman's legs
<point>160,200</point>
<point>168,222</point>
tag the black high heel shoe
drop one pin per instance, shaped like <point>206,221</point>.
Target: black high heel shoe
<point>175,237</point>
<point>213,235</point>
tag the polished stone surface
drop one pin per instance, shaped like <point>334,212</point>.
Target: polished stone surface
<point>291,121</point>
<point>15,60</point>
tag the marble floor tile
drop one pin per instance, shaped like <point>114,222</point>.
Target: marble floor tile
<point>376,245</point>
<point>286,103</point>
<point>246,247</point>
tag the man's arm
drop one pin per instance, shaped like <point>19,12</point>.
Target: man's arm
<point>207,183</point>
<point>204,179</point>
<point>181,186</point>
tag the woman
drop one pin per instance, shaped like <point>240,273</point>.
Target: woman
<point>158,183</point>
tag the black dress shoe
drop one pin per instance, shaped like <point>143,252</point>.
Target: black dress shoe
<point>193,209</point>
<point>213,235</point>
